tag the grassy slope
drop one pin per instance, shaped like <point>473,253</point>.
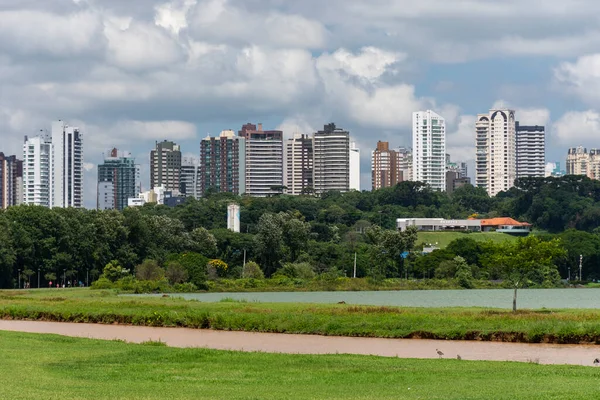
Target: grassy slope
<point>560,326</point>
<point>54,367</point>
<point>444,238</point>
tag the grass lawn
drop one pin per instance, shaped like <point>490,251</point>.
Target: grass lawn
<point>443,239</point>
<point>82,305</point>
<point>55,367</point>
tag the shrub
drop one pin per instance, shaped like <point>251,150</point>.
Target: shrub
<point>155,286</point>
<point>464,275</point>
<point>195,266</point>
<point>113,271</point>
<point>252,270</point>
<point>149,270</point>
<point>297,270</point>
<point>176,273</point>
<point>186,287</point>
<point>102,283</point>
<point>216,268</point>
<point>126,283</point>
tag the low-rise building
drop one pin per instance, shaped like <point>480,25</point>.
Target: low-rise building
<point>439,224</point>
<point>505,225</point>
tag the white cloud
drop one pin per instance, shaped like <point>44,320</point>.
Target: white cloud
<point>141,46</point>
<point>369,64</point>
<point>36,33</point>
<point>460,144</point>
<point>577,128</point>
<point>173,15</point>
<point>581,78</point>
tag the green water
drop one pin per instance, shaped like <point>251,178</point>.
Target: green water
<point>502,298</point>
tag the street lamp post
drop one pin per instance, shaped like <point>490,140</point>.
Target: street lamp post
<point>38,278</point>
<point>64,278</point>
<point>87,277</point>
<point>580,265</point>
<point>19,278</point>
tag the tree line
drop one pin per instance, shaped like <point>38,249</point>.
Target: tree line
<point>293,233</point>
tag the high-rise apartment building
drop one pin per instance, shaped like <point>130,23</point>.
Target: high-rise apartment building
<point>386,168</point>
<point>264,160</point>
<point>496,163</point>
<point>299,165</point>
<point>582,162</point>
<point>37,167</point>
<point>531,151</point>
<point>354,167</point>
<point>222,165</point>
<point>406,163</point>
<point>165,166</point>
<point>118,177</point>
<point>332,159</point>
<point>11,181</point>
<point>189,178</point>
<point>429,149</point>
<point>67,171</point>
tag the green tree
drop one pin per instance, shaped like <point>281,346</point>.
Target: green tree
<point>149,270</point>
<point>269,242</point>
<point>252,270</point>
<point>204,242</point>
<point>113,271</point>
<point>521,259</point>
<point>175,273</point>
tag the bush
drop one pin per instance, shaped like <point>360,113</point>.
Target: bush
<point>252,270</point>
<point>187,287</point>
<point>195,266</point>
<point>297,270</point>
<point>157,286</point>
<point>149,270</point>
<point>127,283</point>
<point>216,269</point>
<point>113,271</point>
<point>464,275</point>
<point>102,283</point>
<point>176,273</point>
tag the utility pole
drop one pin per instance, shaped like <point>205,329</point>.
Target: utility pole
<point>580,265</point>
<point>354,264</point>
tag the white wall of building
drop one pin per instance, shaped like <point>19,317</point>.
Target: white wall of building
<point>429,149</point>
<point>354,167</point>
<point>37,171</point>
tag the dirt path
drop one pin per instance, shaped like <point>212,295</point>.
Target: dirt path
<point>312,344</point>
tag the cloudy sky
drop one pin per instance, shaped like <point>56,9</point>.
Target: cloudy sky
<point>133,72</point>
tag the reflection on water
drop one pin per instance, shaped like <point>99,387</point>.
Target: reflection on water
<point>502,298</point>
<point>313,344</point>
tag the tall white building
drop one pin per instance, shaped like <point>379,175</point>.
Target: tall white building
<point>67,171</point>
<point>299,164</point>
<point>354,167</point>
<point>332,159</point>
<point>531,151</point>
<point>496,163</point>
<point>189,182</point>
<point>264,161</point>
<point>37,166</point>
<point>429,149</point>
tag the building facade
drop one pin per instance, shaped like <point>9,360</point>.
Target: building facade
<point>37,166</point>
<point>386,166</point>
<point>299,172</point>
<point>118,179</point>
<point>354,167</point>
<point>189,178</point>
<point>67,170</point>
<point>165,166</point>
<point>222,165</point>
<point>580,161</point>
<point>496,168</point>
<point>332,159</point>
<point>429,149</point>
<point>264,161</point>
<point>531,151</point>
<point>11,181</point>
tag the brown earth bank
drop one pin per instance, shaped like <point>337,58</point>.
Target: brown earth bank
<point>315,344</point>
<point>206,321</point>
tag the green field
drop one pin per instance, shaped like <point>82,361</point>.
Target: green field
<point>77,305</point>
<point>54,367</point>
<point>443,239</point>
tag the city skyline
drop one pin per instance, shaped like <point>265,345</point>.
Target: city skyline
<point>350,62</point>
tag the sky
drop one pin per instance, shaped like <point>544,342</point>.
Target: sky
<point>129,73</point>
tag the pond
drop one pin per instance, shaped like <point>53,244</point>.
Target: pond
<point>494,298</point>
